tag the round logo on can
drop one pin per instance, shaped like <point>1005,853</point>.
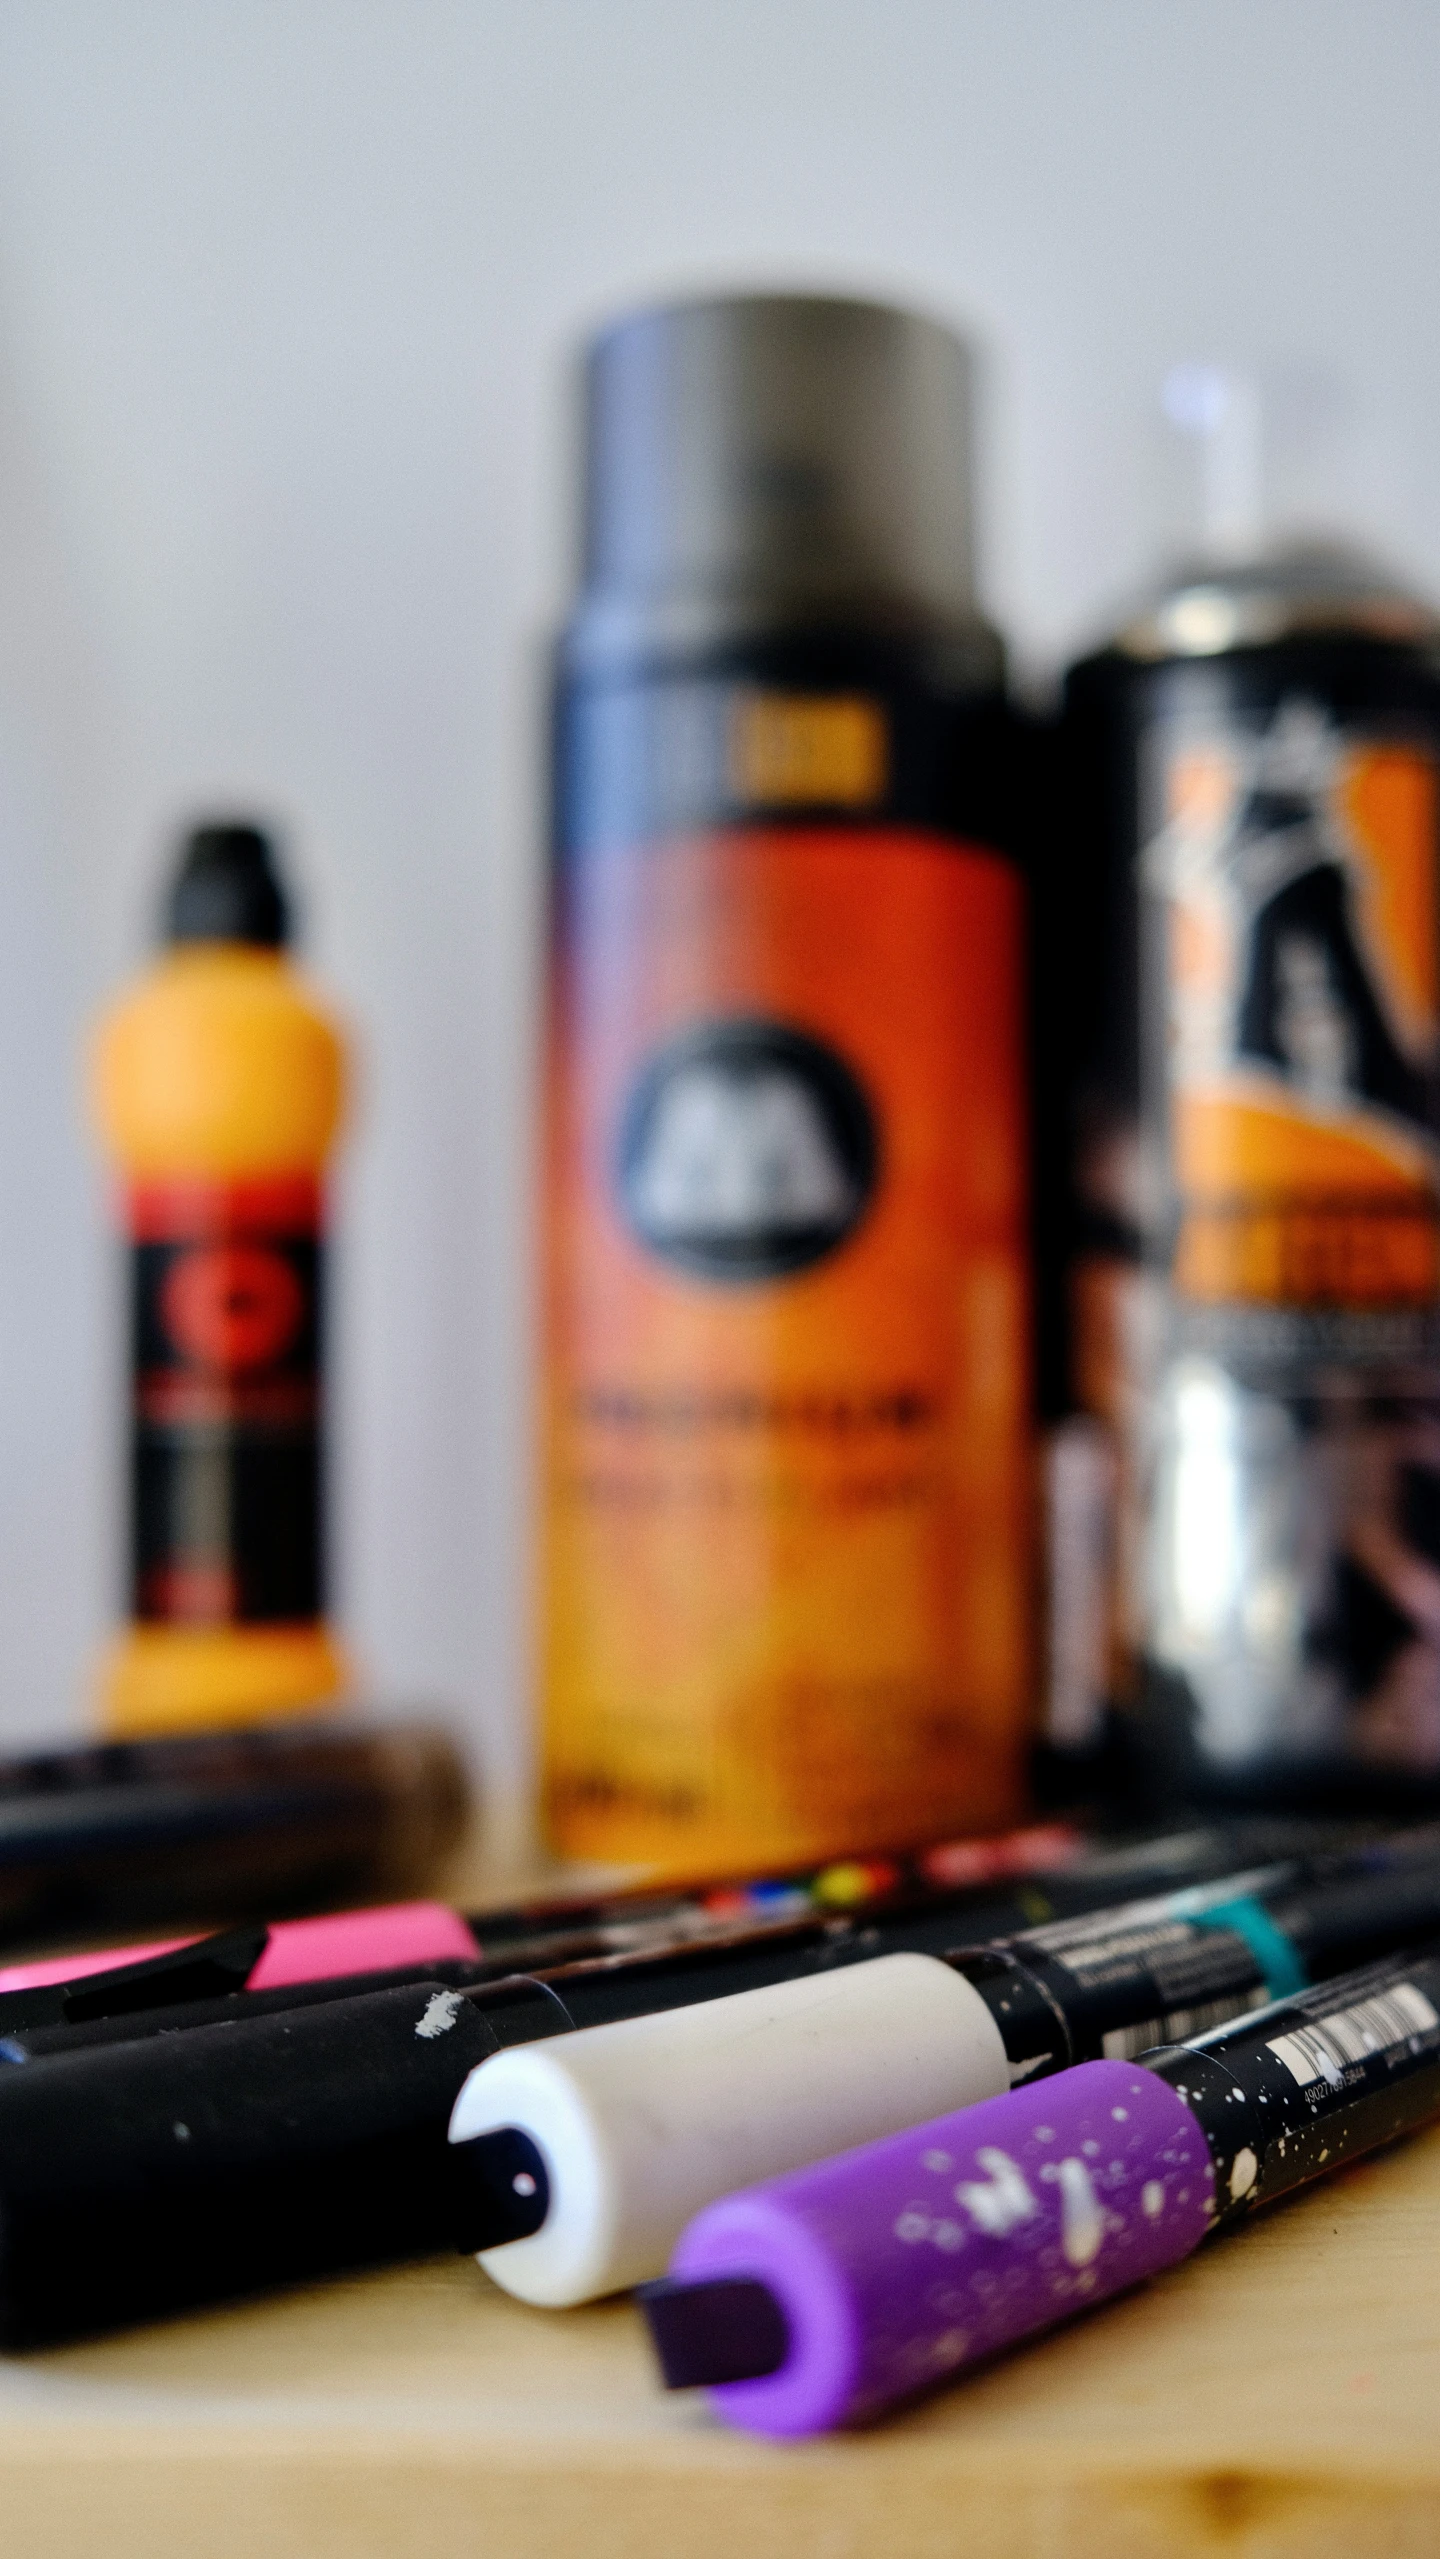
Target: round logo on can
<point>748,1150</point>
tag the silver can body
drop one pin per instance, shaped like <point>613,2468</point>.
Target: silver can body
<point>1254,1151</point>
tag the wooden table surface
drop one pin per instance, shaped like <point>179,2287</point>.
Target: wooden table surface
<point>1279,2394</point>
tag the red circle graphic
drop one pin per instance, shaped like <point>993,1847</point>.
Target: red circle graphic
<point>232,1305</point>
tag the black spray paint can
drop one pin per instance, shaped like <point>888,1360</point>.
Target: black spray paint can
<point>1240,995</point>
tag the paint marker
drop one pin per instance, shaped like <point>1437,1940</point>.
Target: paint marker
<point>304,1961</point>
<point>270,2142</point>
<point>122,1836</point>
<point>821,2298</point>
<point>1049,1870</point>
<point>313,2127</point>
<point>630,2129</point>
<point>266,2144</point>
<point>106,2010</point>
<point>561,1929</point>
<point>286,1951</point>
<point>180,2168</point>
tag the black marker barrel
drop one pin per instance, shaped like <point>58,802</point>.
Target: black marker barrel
<point>182,2168</point>
<point>1119,1983</point>
<point>1313,2081</point>
<point>261,2148</point>
<point>1127,1981</point>
<point>50,2036</point>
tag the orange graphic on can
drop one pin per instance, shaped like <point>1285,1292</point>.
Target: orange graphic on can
<point>786,1577</point>
<point>1297,876</point>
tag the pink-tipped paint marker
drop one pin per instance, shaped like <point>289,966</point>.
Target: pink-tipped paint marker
<point>389,1938</point>
<point>401,1934</point>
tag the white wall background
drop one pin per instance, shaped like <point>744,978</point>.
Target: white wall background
<point>285,289</point>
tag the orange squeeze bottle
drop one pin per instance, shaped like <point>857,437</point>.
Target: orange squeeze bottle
<point>217,1084</point>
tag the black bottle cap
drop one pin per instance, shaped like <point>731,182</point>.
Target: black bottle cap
<point>226,890</point>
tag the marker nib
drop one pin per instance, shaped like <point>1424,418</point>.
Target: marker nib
<point>732,2329</point>
<point>500,2189</point>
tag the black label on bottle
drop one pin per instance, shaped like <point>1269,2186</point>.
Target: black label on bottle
<point>226,1445</point>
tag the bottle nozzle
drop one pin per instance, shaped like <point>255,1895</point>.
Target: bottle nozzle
<point>1223,413</point>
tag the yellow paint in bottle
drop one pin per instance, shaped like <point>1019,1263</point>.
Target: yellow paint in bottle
<point>217,1084</point>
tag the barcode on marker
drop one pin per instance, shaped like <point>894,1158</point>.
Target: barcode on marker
<point>1377,2025</point>
<point>1124,2042</point>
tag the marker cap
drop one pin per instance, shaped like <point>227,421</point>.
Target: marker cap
<point>895,2265</point>
<point>642,2122</point>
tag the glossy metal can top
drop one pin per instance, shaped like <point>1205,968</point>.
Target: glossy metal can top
<point>1290,589</point>
<point>780,457</point>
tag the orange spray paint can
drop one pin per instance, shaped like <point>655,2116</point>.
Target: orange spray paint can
<point>785,1392</point>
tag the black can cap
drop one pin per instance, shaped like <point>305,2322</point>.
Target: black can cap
<point>227,889</point>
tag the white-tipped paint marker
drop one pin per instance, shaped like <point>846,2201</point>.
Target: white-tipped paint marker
<point>614,2137</point>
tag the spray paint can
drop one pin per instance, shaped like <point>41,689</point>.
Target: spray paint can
<point>785,1390</point>
<point>1245,920</point>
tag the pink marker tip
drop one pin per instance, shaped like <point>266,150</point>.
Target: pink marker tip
<point>347,1941</point>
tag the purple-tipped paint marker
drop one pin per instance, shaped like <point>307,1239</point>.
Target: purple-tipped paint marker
<point>821,2298</point>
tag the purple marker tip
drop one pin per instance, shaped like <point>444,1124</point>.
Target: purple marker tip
<point>895,2265</point>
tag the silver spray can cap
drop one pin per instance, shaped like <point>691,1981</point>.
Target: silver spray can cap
<point>770,460</point>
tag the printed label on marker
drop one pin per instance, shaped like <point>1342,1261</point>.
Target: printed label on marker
<point>1181,1958</point>
<point>1366,2032</point>
<point>1174,1977</point>
<point>1089,1949</point>
<point>1124,2042</point>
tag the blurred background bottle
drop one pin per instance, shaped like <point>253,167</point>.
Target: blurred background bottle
<point>217,1085</point>
<point>1244,987</point>
<point>786,1570</point>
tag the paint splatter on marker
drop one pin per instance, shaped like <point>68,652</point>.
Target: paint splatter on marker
<point>1082,2222</point>
<point>1003,2200</point>
<point>441,2010</point>
<point>1045,2229</point>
